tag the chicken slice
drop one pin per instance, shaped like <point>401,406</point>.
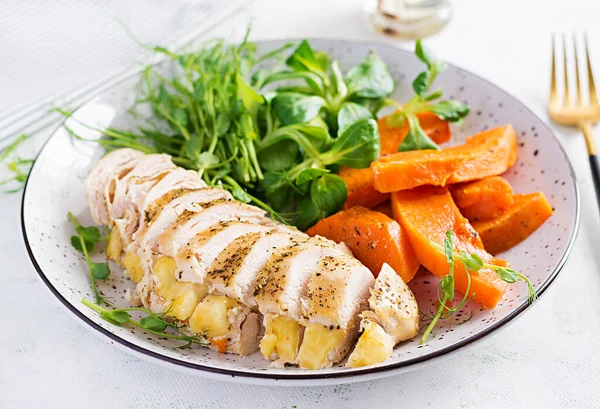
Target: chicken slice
<point>160,214</point>
<point>131,190</point>
<point>195,258</point>
<point>395,305</point>
<point>235,271</point>
<point>336,293</point>
<point>189,223</point>
<point>174,180</point>
<point>163,212</point>
<point>394,310</point>
<point>283,278</point>
<point>145,240</point>
<point>128,190</point>
<point>279,288</point>
<point>113,163</point>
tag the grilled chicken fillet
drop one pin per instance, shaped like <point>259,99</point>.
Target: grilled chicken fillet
<point>228,272</point>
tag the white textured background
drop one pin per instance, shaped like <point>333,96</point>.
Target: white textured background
<point>548,358</point>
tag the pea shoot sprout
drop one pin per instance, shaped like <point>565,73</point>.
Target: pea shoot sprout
<point>471,262</point>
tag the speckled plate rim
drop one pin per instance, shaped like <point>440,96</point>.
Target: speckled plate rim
<point>295,379</point>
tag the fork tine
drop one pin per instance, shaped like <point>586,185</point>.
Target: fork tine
<point>577,83</point>
<point>553,91</point>
<point>566,98</point>
<point>592,86</point>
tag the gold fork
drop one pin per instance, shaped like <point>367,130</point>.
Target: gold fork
<point>565,112</point>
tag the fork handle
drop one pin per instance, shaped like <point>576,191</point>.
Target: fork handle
<point>595,166</point>
<point>590,143</point>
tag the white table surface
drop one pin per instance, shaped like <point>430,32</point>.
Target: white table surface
<point>549,358</point>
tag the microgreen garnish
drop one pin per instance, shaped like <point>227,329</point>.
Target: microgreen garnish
<point>277,149</point>
<point>153,323</point>
<point>446,286</point>
<point>471,262</point>
<point>18,167</point>
<point>448,110</point>
<point>85,241</point>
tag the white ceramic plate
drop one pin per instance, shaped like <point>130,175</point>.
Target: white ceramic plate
<point>55,186</point>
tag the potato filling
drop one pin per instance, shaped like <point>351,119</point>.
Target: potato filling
<point>210,316</point>
<point>133,267</point>
<point>373,346</point>
<point>114,246</point>
<point>282,337</point>
<point>182,298</point>
<point>318,342</point>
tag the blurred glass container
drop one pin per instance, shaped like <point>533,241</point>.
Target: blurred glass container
<point>408,19</point>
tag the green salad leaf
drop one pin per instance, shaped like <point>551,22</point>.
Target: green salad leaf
<point>350,113</point>
<point>328,193</point>
<point>370,79</point>
<point>294,108</point>
<point>305,58</point>
<point>416,139</point>
<point>447,110</point>
<point>356,147</point>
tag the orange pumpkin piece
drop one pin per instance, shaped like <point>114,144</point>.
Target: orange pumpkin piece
<point>360,188</point>
<point>385,208</point>
<point>426,213</point>
<point>360,181</point>
<point>374,239</point>
<point>527,213</point>
<point>487,153</point>
<point>436,129</point>
<point>483,199</point>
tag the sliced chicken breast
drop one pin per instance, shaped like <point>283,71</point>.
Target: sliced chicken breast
<point>106,168</point>
<point>395,305</point>
<point>336,293</point>
<point>189,223</point>
<point>282,281</point>
<point>279,290</point>
<point>141,254</point>
<point>176,179</point>
<point>130,189</point>
<point>226,270</point>
<point>163,212</point>
<point>195,258</point>
<point>235,271</point>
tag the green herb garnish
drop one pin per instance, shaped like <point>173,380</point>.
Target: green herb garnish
<point>153,323</point>
<point>471,262</point>
<point>85,241</point>
<point>279,149</point>
<point>447,110</point>
<point>18,167</point>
